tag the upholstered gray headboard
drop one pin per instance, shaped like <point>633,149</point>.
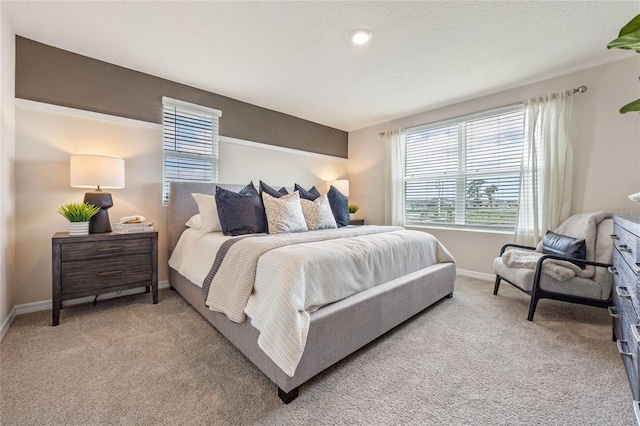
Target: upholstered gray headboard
<point>182,205</point>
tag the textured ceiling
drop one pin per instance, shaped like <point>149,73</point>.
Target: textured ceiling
<point>297,57</point>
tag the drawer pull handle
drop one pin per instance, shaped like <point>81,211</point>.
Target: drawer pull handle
<point>624,248</point>
<point>115,248</point>
<point>614,237</point>
<point>622,352</point>
<point>107,273</point>
<point>622,292</point>
<point>634,331</point>
<point>612,269</point>
<point>613,311</point>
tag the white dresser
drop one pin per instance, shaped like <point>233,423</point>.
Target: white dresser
<point>626,298</point>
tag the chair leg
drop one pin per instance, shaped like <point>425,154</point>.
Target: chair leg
<point>497,285</point>
<point>532,307</point>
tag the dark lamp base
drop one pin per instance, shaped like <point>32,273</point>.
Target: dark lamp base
<point>99,223</point>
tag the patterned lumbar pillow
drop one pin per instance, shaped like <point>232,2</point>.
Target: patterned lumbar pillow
<point>339,206</point>
<point>311,194</point>
<point>284,214</point>
<point>317,213</point>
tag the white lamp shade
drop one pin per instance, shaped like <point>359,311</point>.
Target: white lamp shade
<point>91,171</point>
<point>341,185</point>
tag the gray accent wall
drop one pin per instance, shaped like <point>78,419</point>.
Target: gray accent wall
<point>55,76</point>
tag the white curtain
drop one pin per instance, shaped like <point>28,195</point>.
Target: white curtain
<point>547,167</point>
<point>394,178</point>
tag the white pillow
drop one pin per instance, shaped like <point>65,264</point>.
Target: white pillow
<point>210,222</point>
<point>195,221</point>
<point>284,214</point>
<point>317,213</point>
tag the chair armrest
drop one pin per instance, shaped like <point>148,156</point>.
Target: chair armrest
<point>504,247</point>
<point>572,260</point>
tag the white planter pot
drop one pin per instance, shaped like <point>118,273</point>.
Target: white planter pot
<point>78,228</point>
<point>352,216</point>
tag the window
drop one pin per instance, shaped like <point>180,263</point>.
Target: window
<point>466,171</point>
<point>190,143</point>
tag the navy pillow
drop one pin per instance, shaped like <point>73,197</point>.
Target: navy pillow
<point>310,195</point>
<point>561,245</point>
<point>269,190</point>
<point>339,206</point>
<point>283,191</point>
<point>241,212</point>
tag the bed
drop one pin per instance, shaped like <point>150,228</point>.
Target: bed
<point>334,330</point>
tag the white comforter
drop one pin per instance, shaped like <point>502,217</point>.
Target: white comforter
<point>279,280</point>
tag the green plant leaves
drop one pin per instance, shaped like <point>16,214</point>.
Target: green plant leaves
<point>631,107</point>
<point>629,38</point>
<point>353,208</point>
<point>78,212</point>
<point>631,27</point>
<point>629,42</point>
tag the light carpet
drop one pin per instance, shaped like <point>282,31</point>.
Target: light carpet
<point>470,360</point>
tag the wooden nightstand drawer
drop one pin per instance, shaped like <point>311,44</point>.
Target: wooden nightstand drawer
<point>95,264</point>
<point>101,249</point>
<point>81,275</point>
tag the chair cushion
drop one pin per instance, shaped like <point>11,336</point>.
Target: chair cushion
<point>562,245</point>
<point>576,286</point>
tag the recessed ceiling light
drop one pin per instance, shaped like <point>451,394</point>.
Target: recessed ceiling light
<point>361,36</point>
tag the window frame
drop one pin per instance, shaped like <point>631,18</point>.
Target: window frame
<point>461,173</point>
<point>211,157</point>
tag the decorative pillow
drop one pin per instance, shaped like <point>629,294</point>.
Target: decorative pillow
<point>561,245</point>
<point>271,191</point>
<point>317,213</point>
<point>195,221</point>
<point>241,212</point>
<point>284,214</point>
<point>283,191</point>
<point>339,206</point>
<point>311,194</point>
<point>209,220</point>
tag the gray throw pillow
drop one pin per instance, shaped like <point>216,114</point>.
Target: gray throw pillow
<point>310,195</point>
<point>339,206</point>
<point>271,191</point>
<point>241,212</point>
<point>562,245</point>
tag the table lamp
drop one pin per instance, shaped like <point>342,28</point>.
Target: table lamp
<point>95,171</point>
<point>341,185</point>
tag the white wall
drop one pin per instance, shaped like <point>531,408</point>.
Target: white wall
<point>7,153</point>
<point>45,138</point>
<point>606,153</point>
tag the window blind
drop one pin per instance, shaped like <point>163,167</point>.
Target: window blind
<point>190,143</point>
<point>466,171</point>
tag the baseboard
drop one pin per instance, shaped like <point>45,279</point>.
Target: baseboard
<point>44,305</point>
<point>477,275</point>
<point>7,322</point>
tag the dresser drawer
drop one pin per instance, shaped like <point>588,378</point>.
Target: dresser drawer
<point>616,313</point>
<point>83,275</point>
<point>103,249</point>
<point>627,245</point>
<point>629,345</point>
<point>625,277</point>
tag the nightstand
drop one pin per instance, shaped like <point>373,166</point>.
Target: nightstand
<point>102,263</point>
<point>356,222</point>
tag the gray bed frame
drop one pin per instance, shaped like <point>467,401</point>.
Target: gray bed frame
<point>336,330</point>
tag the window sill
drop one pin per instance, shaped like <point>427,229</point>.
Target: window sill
<point>452,228</point>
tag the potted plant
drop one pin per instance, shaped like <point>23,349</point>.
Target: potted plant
<point>78,215</point>
<point>353,208</point>
<point>629,38</point>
